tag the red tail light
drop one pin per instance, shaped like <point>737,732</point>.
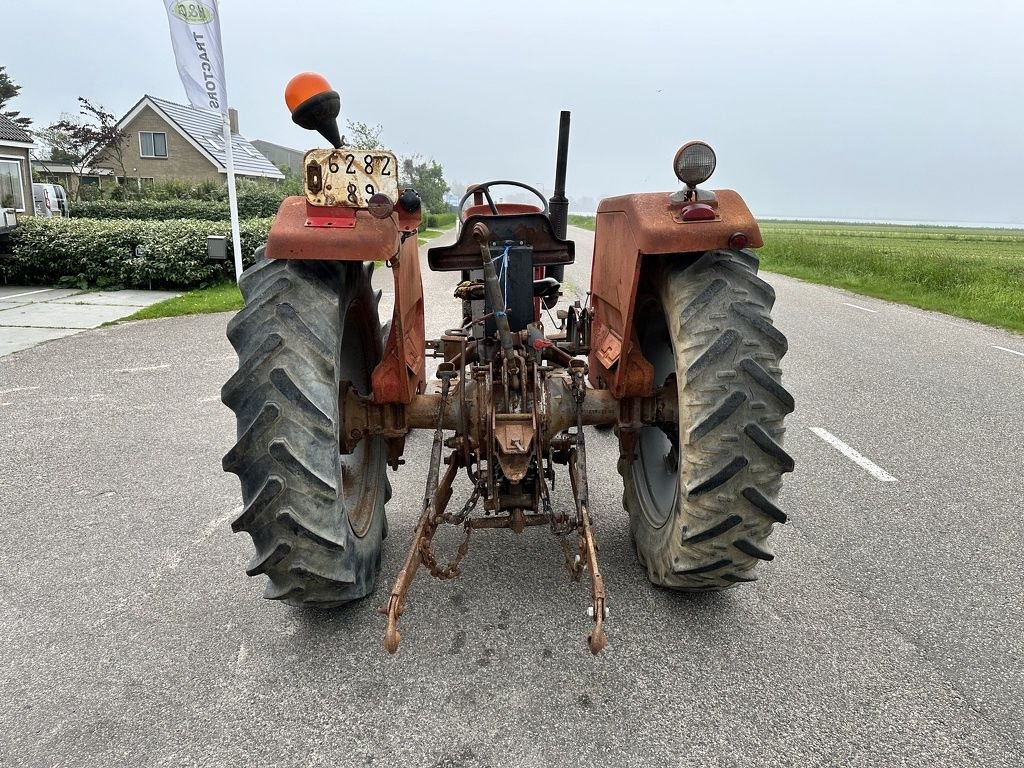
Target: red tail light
<point>698,212</point>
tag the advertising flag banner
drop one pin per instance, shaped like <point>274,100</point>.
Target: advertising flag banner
<point>195,36</point>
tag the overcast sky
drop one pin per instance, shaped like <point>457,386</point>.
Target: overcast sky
<point>874,109</point>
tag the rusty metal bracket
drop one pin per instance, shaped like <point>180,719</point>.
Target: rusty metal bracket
<point>362,417</point>
<point>436,496</point>
<point>596,640</point>
<point>339,218</point>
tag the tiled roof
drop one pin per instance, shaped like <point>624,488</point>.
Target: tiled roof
<point>11,131</point>
<point>207,130</point>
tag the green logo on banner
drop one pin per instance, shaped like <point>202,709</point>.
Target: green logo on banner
<point>193,13</point>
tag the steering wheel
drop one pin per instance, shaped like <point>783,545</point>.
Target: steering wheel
<point>485,189</point>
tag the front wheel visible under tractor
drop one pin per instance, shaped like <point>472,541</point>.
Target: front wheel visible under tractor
<point>702,495</point>
<point>316,516</point>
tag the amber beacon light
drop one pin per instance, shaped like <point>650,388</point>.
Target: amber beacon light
<point>314,105</point>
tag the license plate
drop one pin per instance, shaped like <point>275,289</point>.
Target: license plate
<point>350,177</point>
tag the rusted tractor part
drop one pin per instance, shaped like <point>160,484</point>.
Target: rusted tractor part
<point>517,405</point>
<point>676,341</point>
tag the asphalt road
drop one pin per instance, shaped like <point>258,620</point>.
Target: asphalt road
<point>888,631</point>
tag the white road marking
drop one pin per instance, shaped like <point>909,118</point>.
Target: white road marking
<point>219,359</point>
<point>173,559</point>
<point>994,346</point>
<point>27,293</point>
<point>210,399</point>
<point>141,370</point>
<point>852,455</point>
<point>17,389</point>
<point>243,654</point>
<point>862,309</point>
<point>215,525</point>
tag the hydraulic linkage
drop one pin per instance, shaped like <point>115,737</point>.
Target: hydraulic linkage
<point>507,453</point>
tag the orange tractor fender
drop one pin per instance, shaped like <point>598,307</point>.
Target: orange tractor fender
<point>634,235</point>
<point>304,231</point>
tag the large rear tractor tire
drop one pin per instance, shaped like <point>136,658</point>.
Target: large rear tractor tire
<point>702,495</point>
<point>316,517</point>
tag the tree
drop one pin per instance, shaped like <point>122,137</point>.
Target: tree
<point>66,147</point>
<point>362,135</point>
<point>8,90</point>
<point>107,136</point>
<point>427,178</point>
<point>79,140</point>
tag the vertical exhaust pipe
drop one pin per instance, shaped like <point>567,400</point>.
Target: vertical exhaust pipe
<point>558,203</point>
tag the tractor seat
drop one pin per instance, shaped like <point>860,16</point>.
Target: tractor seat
<point>504,209</point>
<point>525,224</point>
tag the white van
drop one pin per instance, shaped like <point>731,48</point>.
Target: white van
<point>8,222</point>
<point>50,200</point>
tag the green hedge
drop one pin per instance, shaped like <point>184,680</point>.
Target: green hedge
<point>102,254</point>
<point>249,207</point>
<point>151,210</point>
<point>434,220</point>
<point>252,204</point>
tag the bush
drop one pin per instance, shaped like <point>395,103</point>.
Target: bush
<point>102,254</point>
<point>183,189</point>
<point>174,199</point>
<point>151,210</point>
<point>434,220</point>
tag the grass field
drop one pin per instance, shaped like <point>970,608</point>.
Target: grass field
<point>974,273</point>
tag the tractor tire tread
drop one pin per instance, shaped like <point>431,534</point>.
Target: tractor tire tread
<point>284,396</point>
<point>732,405</point>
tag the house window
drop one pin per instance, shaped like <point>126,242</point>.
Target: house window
<point>152,144</point>
<point>12,192</point>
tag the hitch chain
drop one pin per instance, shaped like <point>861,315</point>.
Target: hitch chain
<point>463,514</point>
<point>451,570</point>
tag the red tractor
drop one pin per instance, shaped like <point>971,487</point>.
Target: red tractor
<point>675,349</point>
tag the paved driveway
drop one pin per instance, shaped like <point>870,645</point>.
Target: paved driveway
<point>30,316</point>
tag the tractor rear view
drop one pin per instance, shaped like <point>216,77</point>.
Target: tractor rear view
<point>675,349</point>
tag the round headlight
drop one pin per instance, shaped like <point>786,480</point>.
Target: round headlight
<point>694,163</point>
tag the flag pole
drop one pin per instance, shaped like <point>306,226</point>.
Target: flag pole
<point>199,55</point>
<point>236,239</point>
